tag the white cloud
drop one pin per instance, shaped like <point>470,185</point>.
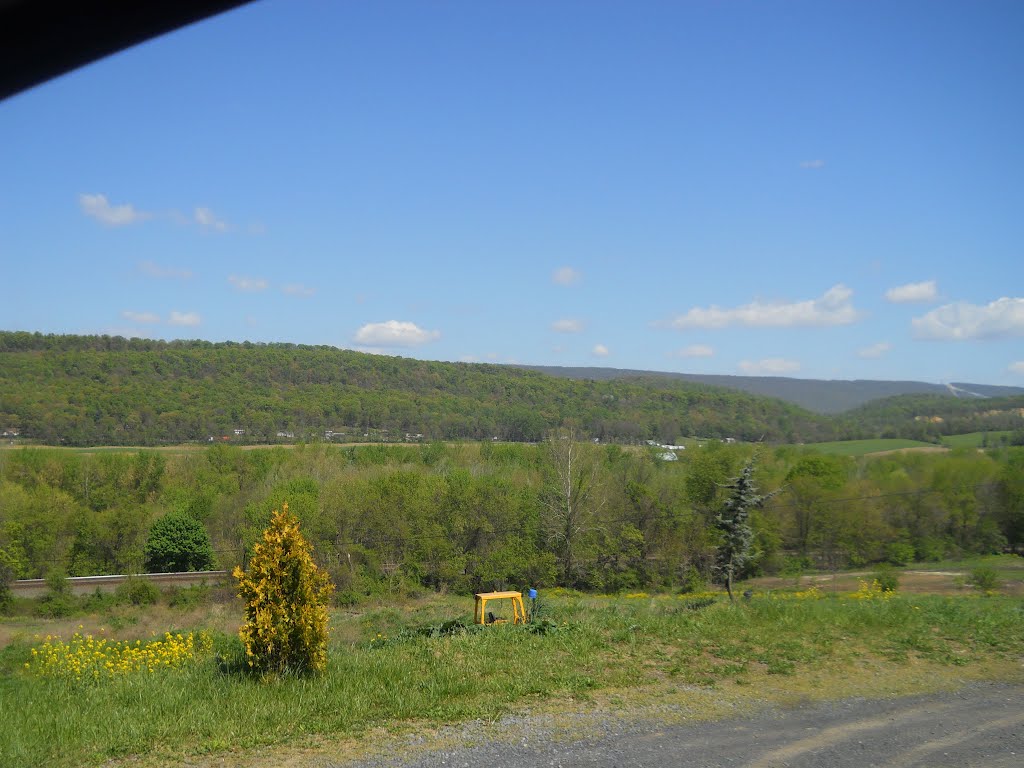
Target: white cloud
<point>600,350</point>
<point>567,325</point>
<point>912,292</point>
<point>566,276</point>
<point>140,317</point>
<point>874,351</point>
<point>395,333</point>
<point>812,165</point>
<point>695,350</point>
<point>298,289</point>
<point>770,366</point>
<point>151,269</point>
<point>248,284</point>
<point>1001,319</point>
<point>832,308</point>
<point>1017,367</point>
<point>206,219</point>
<point>99,208</point>
<point>185,318</point>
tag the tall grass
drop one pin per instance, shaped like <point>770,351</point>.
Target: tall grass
<point>599,643</point>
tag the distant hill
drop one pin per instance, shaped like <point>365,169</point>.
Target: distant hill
<point>818,395</point>
<point>96,390</point>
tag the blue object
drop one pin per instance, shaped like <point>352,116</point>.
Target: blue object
<point>533,594</point>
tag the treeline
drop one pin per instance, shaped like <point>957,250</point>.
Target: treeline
<point>477,516</point>
<point>102,390</point>
<point>930,417</point>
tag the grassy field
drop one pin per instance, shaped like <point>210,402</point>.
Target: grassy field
<point>687,651</point>
<point>976,439</point>
<point>862,447</point>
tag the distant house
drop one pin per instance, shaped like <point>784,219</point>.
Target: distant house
<point>239,432</point>
<point>11,433</point>
<point>289,435</point>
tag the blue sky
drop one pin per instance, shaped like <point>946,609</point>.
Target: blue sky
<point>820,190</point>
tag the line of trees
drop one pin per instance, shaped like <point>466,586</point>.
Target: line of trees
<point>471,516</point>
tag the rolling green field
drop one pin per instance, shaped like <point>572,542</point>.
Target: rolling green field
<point>862,447</point>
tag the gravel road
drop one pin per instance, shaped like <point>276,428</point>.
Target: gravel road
<point>980,725</point>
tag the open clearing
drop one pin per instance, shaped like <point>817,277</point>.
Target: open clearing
<point>865,447</point>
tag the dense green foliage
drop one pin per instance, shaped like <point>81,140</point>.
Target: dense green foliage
<point>397,519</point>
<point>930,417</point>
<point>102,390</point>
<point>99,390</point>
<point>178,542</point>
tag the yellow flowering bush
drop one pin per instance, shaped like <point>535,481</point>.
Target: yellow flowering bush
<point>870,591</point>
<point>285,601</point>
<point>85,657</point>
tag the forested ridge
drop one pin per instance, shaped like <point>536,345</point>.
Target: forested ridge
<point>92,390</point>
<point>104,390</point>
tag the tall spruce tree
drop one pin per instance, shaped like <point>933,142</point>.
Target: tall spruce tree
<point>732,521</point>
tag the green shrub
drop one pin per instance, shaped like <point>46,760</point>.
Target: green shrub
<point>136,592</point>
<point>899,553</point>
<point>887,577</point>
<point>178,542</point>
<point>189,597</point>
<point>985,578</point>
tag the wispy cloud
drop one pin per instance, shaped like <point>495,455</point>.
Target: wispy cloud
<point>1017,367</point>
<point>248,284</point>
<point>98,207</point>
<point>874,351</point>
<point>298,289</point>
<point>185,318</point>
<point>209,221</point>
<point>832,308</point>
<point>961,321</point>
<point>394,333</point>
<point>812,165</point>
<point>146,318</point>
<point>151,269</point>
<point>769,366</point>
<point>566,276</point>
<point>600,350</point>
<point>695,350</point>
<point>567,325</point>
<point>913,292</point>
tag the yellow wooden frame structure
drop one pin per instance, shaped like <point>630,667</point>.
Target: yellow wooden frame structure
<point>518,611</point>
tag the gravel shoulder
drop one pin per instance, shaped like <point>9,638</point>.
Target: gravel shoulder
<point>981,724</point>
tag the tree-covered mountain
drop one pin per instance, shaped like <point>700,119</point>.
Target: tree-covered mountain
<point>94,390</point>
<point>818,395</point>
<point>89,390</point>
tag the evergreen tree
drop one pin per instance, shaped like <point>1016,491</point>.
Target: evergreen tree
<point>732,522</point>
<point>285,598</point>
